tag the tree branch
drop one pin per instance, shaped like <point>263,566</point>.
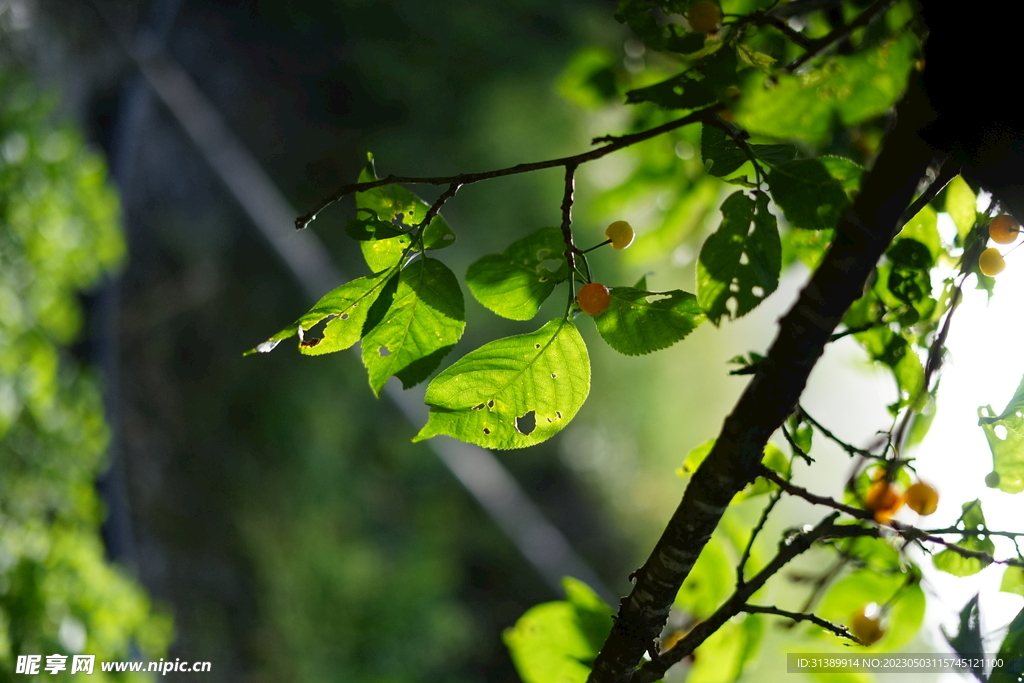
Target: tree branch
<point>612,144</point>
<point>794,546</point>
<point>861,238</point>
<point>821,44</point>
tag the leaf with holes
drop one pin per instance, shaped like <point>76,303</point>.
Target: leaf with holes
<point>513,392</point>
<point>957,564</point>
<point>638,322</point>
<point>1007,446</point>
<point>848,88</point>
<point>516,282</point>
<point>740,262</point>
<point>397,205</point>
<point>347,307</point>
<point>814,193</point>
<point>425,320</point>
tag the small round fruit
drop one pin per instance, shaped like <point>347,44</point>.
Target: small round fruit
<point>991,262</point>
<point>992,479</point>
<point>594,298</point>
<point>704,16</point>
<point>922,498</point>
<point>1003,229</point>
<point>884,500</point>
<point>620,233</point>
<point>867,629</point>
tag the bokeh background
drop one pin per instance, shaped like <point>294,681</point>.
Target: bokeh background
<point>270,504</point>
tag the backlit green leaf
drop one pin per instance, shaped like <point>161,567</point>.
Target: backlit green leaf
<point>638,322</point>
<point>347,306</point>
<point>924,228</point>
<point>513,392</point>
<point>955,563</point>
<point>814,193</point>
<point>516,282</point>
<point>739,264</point>
<point>556,642</point>
<point>961,205</point>
<point>395,204</point>
<point>1007,446</point>
<point>847,88</point>
<point>1013,580</point>
<point>865,586</point>
<point>710,581</point>
<point>425,320</point>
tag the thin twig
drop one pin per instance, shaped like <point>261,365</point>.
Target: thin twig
<point>435,208</point>
<point>740,579</point>
<point>613,144</point>
<point>762,18</point>
<point>796,449</point>
<point>567,198</point>
<point>800,492</point>
<point>849,448</point>
<point>839,34</point>
<point>741,141</point>
<point>837,629</point>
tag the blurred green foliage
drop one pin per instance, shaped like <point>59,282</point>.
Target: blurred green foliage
<point>59,233</point>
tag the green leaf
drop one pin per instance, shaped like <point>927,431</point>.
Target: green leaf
<point>961,205</point>
<point>555,642</point>
<point>722,656</point>
<point>850,88</point>
<point>678,92</point>
<point>348,307</point>
<point>923,227</point>
<point>814,193</point>
<point>806,246</point>
<point>371,228</point>
<point>516,282</point>
<point>1013,580</point>
<point>698,86</point>
<point>638,322</point>
<point>773,459</point>
<point>739,263</point>
<point>695,457</point>
<point>593,613</point>
<point>392,203</point>
<point>425,320</point>
<point>722,156</point>
<point>956,564</point>
<point>910,276</point>
<point>967,641</point>
<point>710,581</point>
<point>758,60</point>
<point>1013,413</point>
<point>1007,446</point>
<point>513,392</point>
<point>1012,653</point>
<point>864,586</point>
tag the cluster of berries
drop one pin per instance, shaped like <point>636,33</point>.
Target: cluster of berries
<point>1002,230</point>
